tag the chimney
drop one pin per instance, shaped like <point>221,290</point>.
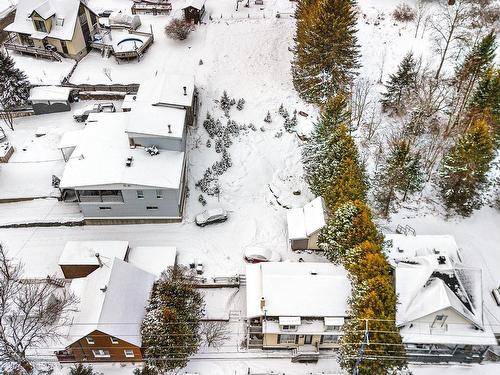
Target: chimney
<point>104,288</point>
<point>185,90</point>
<point>262,303</point>
<point>99,259</point>
<point>313,272</point>
<point>169,128</point>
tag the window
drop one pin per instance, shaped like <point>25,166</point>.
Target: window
<point>40,26</point>
<point>105,208</point>
<point>114,341</point>
<point>329,339</point>
<point>129,353</point>
<point>151,208</point>
<point>286,339</point>
<point>101,353</point>
<point>333,328</point>
<point>59,21</point>
<point>64,46</point>
<point>140,194</point>
<point>159,194</point>
<point>90,340</point>
<point>288,327</point>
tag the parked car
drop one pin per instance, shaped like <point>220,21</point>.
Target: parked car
<point>257,254</point>
<point>215,215</point>
<point>3,136</point>
<point>82,114</point>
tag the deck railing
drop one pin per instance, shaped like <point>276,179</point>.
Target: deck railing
<point>38,52</point>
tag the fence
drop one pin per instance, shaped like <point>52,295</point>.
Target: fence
<point>215,17</point>
<point>130,88</point>
<point>217,282</point>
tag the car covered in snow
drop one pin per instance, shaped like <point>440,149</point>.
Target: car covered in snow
<point>214,215</point>
<point>257,254</point>
<point>83,113</point>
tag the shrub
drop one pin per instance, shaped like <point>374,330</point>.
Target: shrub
<point>178,29</point>
<point>403,13</point>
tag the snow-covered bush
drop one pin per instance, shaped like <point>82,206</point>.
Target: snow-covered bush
<point>225,103</point>
<point>209,143</point>
<point>290,122</point>
<point>403,13</point>
<point>202,200</point>
<point>241,104</point>
<point>268,118</point>
<point>178,29</point>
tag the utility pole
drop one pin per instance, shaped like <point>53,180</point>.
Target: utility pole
<point>361,352</point>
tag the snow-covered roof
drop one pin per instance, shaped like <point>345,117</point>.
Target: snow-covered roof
<point>434,284</point>
<point>303,222</point>
<point>100,159</point>
<point>167,90</point>
<point>400,246</point>
<point>70,138</point>
<point>153,259</point>
<point>197,4</point>
<point>49,93</point>
<point>112,300</point>
<point>158,121</point>
<point>298,289</point>
<point>84,252</point>
<point>45,9</point>
<point>63,9</point>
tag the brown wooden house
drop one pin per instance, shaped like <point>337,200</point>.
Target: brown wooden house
<point>106,325</point>
<point>194,11</point>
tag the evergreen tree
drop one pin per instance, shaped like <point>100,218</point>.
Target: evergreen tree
<point>485,103</point>
<point>326,50</point>
<point>14,88</point>
<point>400,86</point>
<point>469,72</point>
<point>349,225</point>
<point>462,176</point>
<point>171,328</point>
<point>329,146</point>
<point>80,369</point>
<point>400,173</point>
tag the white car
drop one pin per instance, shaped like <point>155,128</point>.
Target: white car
<point>256,254</point>
<point>214,215</point>
<point>82,114</point>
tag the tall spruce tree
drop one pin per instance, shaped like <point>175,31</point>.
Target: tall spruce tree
<point>400,86</point>
<point>401,173</point>
<point>469,72</point>
<point>171,328</point>
<point>328,146</point>
<point>463,172</point>
<point>14,88</point>
<point>485,102</point>
<point>326,50</point>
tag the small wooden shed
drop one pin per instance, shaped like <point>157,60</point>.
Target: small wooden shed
<point>194,10</point>
<point>50,99</point>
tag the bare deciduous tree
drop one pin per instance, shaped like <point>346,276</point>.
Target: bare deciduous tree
<point>214,333</point>
<point>421,16</point>
<point>360,101</point>
<point>32,314</point>
<point>447,27</point>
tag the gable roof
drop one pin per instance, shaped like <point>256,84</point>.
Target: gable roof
<point>197,4</point>
<point>112,300</point>
<point>49,93</point>
<point>167,90</point>
<point>65,9</point>
<point>299,289</point>
<point>303,222</point>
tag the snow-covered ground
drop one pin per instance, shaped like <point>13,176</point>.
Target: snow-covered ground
<point>28,174</point>
<point>247,55</point>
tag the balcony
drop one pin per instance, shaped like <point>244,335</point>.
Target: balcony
<point>65,356</point>
<point>100,196</point>
<point>35,51</point>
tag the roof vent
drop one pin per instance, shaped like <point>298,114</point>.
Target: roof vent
<point>169,128</point>
<point>435,251</point>
<point>129,161</point>
<point>104,288</point>
<point>262,302</point>
<point>400,250</point>
<point>441,259</point>
<point>134,97</point>
<point>185,90</point>
<point>313,272</point>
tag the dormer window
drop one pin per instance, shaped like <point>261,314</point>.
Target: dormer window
<point>288,328</point>
<point>333,324</point>
<point>289,323</point>
<point>40,26</point>
<point>59,21</point>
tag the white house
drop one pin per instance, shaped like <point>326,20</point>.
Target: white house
<point>304,224</point>
<point>298,305</point>
<point>440,312</point>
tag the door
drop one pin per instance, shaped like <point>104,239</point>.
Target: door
<point>308,339</point>
<point>64,46</point>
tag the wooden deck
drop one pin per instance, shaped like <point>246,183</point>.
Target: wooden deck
<point>154,9</point>
<point>35,51</point>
